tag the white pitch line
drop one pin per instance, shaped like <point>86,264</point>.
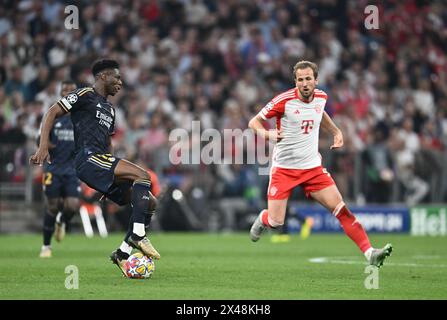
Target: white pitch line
<point>426,257</point>
<point>335,260</point>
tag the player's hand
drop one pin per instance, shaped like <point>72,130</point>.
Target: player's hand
<point>274,135</point>
<point>338,140</point>
<point>40,156</point>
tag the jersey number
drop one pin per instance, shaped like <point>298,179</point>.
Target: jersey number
<point>47,178</point>
<point>307,126</point>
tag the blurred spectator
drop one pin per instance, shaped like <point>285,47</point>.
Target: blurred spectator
<point>406,145</point>
<point>15,83</point>
<point>40,82</point>
<point>423,98</point>
<point>379,167</point>
<point>16,135</point>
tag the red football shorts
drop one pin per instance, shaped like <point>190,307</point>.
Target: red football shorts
<point>282,181</point>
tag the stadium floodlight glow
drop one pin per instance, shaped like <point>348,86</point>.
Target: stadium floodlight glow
<point>177,195</point>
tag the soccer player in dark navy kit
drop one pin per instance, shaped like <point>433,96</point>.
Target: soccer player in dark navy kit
<point>60,184</point>
<point>119,180</point>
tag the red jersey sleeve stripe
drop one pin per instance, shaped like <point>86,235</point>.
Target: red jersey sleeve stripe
<point>319,95</point>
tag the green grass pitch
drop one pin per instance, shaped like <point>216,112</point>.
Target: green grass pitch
<point>226,267</point>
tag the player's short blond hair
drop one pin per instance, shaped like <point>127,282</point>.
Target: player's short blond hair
<point>303,64</point>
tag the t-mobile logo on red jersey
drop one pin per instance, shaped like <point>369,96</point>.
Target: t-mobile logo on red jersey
<point>307,125</point>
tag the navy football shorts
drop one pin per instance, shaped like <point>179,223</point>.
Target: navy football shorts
<point>60,185</point>
<point>97,171</point>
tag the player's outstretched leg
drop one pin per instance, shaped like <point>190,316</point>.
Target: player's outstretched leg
<point>142,203</point>
<point>354,230</point>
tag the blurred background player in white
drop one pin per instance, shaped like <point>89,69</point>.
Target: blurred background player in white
<point>297,162</point>
<point>60,184</point>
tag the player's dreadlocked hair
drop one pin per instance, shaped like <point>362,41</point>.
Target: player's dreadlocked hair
<point>104,64</point>
<point>303,64</point>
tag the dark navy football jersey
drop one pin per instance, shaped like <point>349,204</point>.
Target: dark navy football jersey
<point>93,120</point>
<point>62,155</point>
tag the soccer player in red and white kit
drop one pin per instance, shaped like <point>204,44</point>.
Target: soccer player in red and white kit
<point>299,115</point>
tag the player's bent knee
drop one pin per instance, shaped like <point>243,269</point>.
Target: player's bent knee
<point>72,205</point>
<point>143,176</point>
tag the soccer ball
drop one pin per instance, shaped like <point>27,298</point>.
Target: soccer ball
<point>139,266</point>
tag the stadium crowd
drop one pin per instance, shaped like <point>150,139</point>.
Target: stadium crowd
<point>219,62</point>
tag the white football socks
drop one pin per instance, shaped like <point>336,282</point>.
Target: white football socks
<point>138,229</point>
<point>124,247</point>
<point>368,253</point>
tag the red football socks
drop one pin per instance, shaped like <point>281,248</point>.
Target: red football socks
<point>265,218</point>
<point>353,228</point>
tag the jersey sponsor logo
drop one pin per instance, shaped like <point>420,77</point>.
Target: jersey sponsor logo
<point>64,134</point>
<point>307,125</point>
<point>104,119</point>
<point>72,98</point>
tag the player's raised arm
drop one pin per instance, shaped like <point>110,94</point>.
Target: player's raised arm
<point>328,125</point>
<point>41,153</point>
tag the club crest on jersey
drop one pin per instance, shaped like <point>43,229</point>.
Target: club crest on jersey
<point>72,98</point>
<point>318,109</point>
